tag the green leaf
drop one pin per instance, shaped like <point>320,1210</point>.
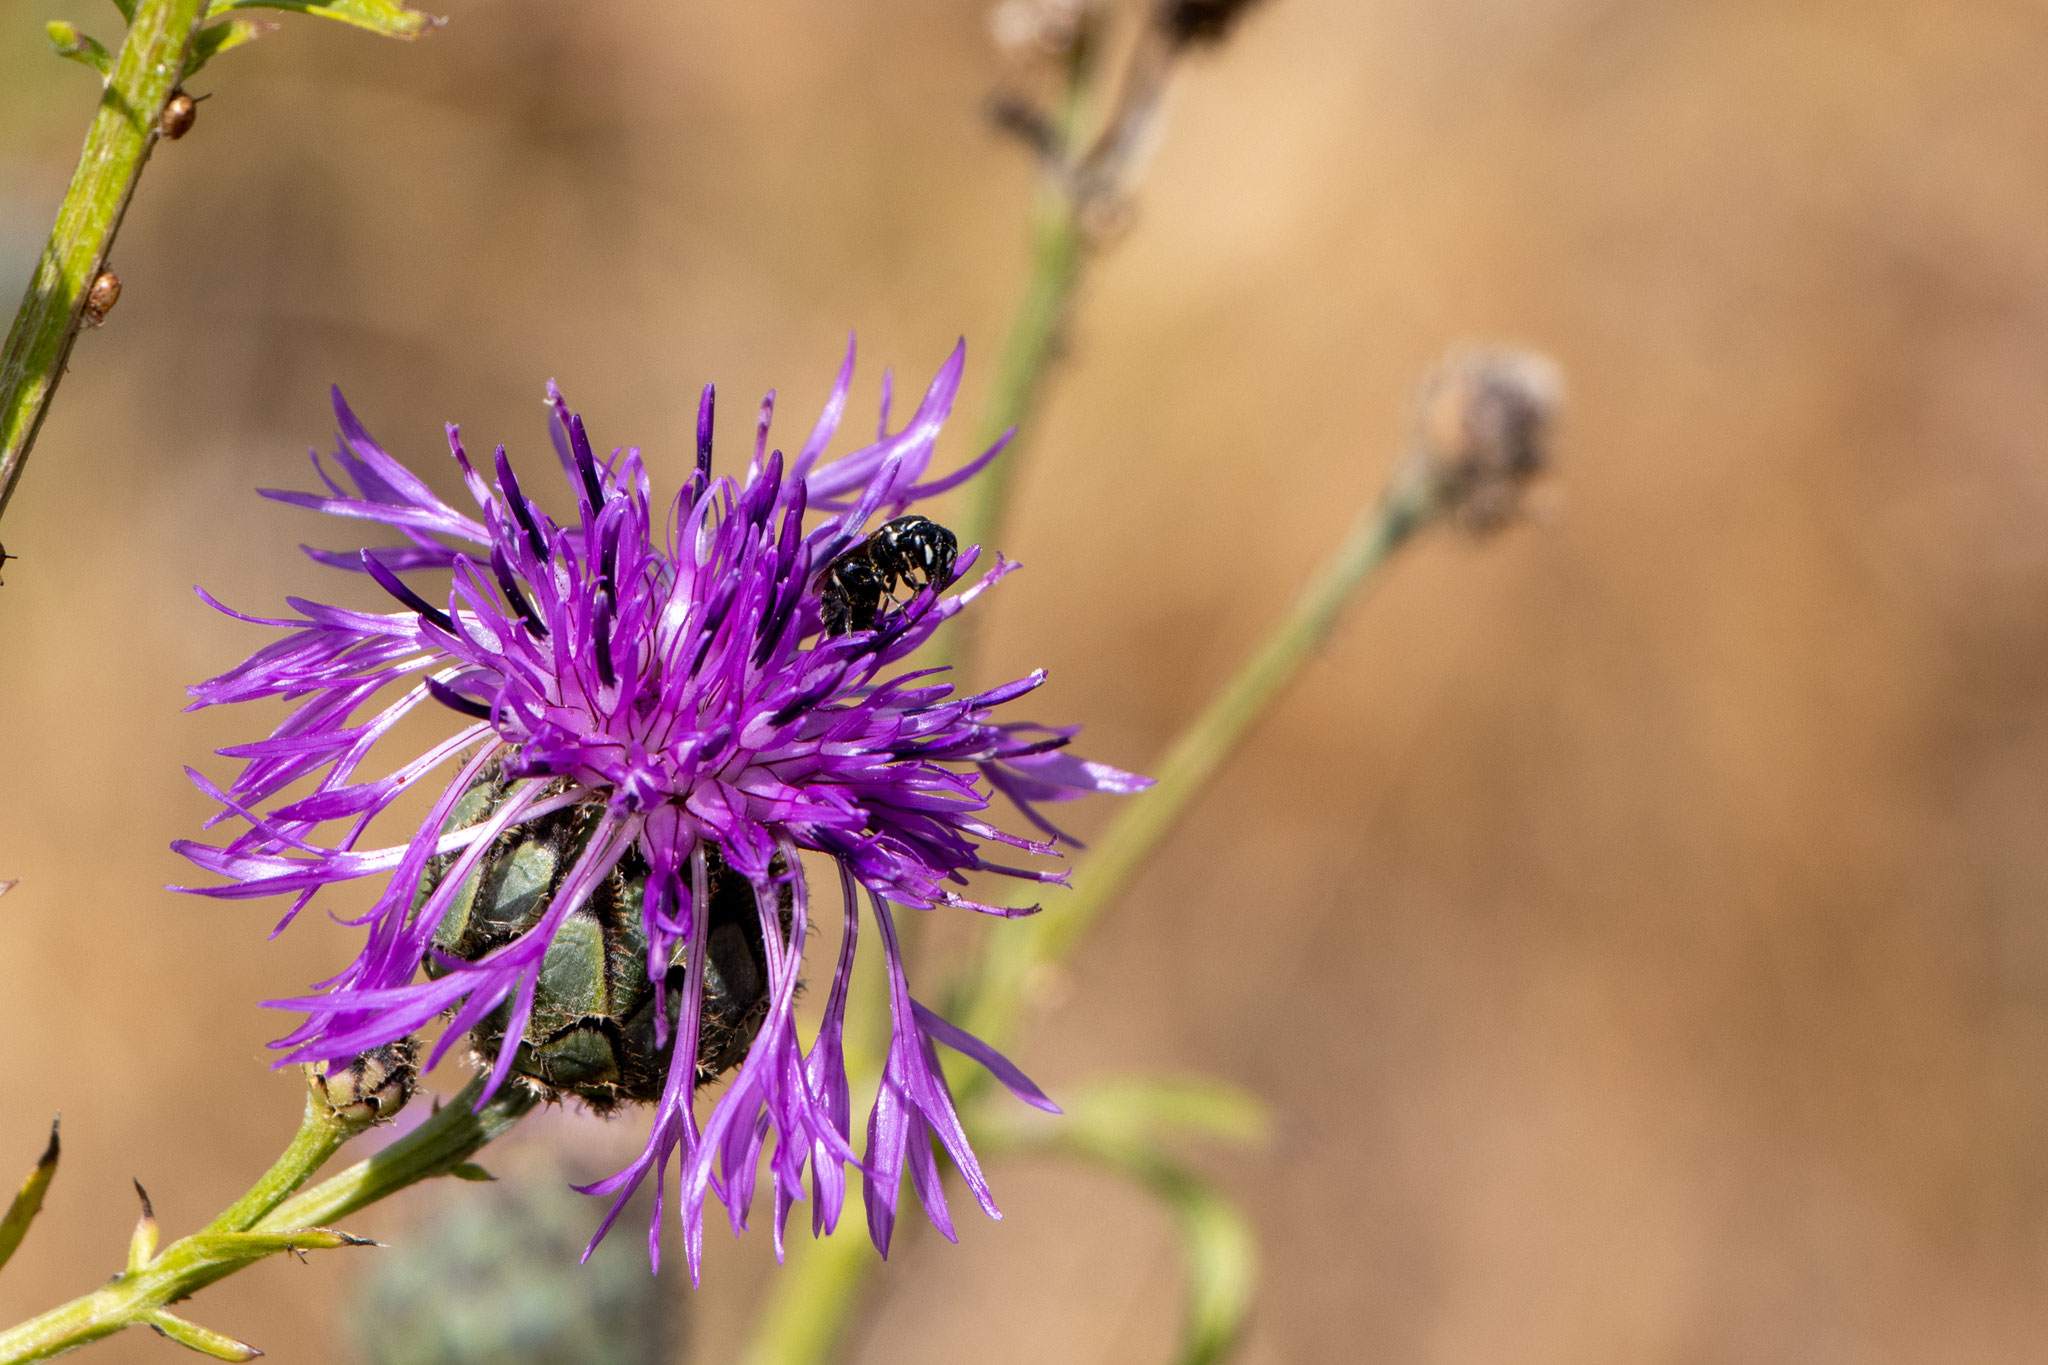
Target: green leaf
<point>379,16</point>
<point>1222,1261</point>
<point>1151,1107</point>
<point>1122,1125</point>
<point>80,48</point>
<point>237,1246</point>
<point>142,1244</point>
<point>215,39</point>
<point>28,1201</point>
<point>1138,1111</point>
<point>127,8</point>
<point>469,1170</point>
<point>200,1339</point>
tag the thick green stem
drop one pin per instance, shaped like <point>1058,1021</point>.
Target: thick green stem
<point>146,72</point>
<point>455,1133</point>
<point>268,1219</point>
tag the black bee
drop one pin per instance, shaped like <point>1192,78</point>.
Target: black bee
<point>913,552</point>
<point>852,592</point>
<point>916,550</point>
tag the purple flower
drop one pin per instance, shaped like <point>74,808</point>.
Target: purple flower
<point>679,682</point>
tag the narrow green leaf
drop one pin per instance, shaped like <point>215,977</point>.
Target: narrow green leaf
<point>79,47</point>
<point>142,1243</point>
<point>379,16</point>
<point>469,1170</point>
<point>1148,1107</point>
<point>28,1201</point>
<point>1122,1125</point>
<point>200,1339</point>
<point>1218,1250</point>
<point>249,1246</point>
<point>127,8</point>
<point>215,39</point>
<point>1134,1112</point>
<point>1221,1259</point>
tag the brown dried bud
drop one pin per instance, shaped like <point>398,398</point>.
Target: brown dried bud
<point>179,116</point>
<point>1020,118</point>
<point>1482,431</point>
<point>1039,28</point>
<point>1188,23</point>
<point>101,297</point>
<point>373,1087</point>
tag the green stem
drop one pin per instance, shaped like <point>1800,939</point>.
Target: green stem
<point>1058,250</point>
<point>268,1219</point>
<point>812,1301</point>
<point>1142,821</point>
<point>146,72</point>
<point>321,1134</point>
<point>455,1133</point>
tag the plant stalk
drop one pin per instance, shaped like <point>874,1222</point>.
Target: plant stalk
<point>269,1219</point>
<point>813,1300</point>
<point>146,72</point>
<point>1059,248</point>
<point>1144,820</point>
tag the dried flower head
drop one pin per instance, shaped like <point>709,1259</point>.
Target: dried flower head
<point>1482,430</point>
<point>1040,28</point>
<point>681,689</point>
<point>1189,23</point>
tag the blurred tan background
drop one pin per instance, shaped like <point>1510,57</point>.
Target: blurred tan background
<point>1640,924</point>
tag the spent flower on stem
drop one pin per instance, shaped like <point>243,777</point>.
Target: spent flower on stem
<point>1483,421</point>
<point>656,720</point>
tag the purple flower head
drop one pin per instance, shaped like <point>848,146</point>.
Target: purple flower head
<point>680,689</point>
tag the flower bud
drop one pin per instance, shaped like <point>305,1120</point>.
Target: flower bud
<point>592,1030</point>
<point>512,1249</point>
<point>1482,429</point>
<point>373,1087</point>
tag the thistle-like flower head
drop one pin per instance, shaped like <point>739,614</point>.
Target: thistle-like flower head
<point>686,687</point>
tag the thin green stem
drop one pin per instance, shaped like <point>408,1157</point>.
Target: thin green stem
<point>146,72</point>
<point>1013,957</point>
<point>1059,247</point>
<point>813,1300</point>
<point>270,1219</point>
<point>321,1134</point>
<point>811,1303</point>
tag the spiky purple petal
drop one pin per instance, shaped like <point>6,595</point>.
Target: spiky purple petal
<point>677,674</point>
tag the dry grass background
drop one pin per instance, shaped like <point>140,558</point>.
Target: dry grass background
<point>1640,924</point>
